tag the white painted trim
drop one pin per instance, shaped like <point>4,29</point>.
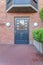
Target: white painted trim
<point>22,6</point>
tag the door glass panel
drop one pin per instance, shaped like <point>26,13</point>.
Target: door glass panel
<point>22,22</point>
<point>22,25</point>
<point>17,21</point>
<point>26,28</point>
<point>25,22</point>
<point>25,25</point>
<point>17,28</point>
<point>17,25</point>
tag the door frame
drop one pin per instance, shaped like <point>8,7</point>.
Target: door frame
<point>28,26</point>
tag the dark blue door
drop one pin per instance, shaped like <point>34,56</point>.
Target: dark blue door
<point>21,31</point>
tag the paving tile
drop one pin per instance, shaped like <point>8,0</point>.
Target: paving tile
<point>20,55</point>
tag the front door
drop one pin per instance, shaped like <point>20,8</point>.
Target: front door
<point>21,31</point>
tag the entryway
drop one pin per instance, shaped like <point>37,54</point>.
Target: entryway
<point>21,30</point>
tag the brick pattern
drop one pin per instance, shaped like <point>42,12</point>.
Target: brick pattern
<point>20,55</point>
<point>7,34</point>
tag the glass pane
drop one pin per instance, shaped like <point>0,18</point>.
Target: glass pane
<point>22,25</point>
<point>22,1</point>
<point>25,25</point>
<point>17,25</point>
<point>22,22</point>
<point>25,28</point>
<point>18,21</point>
<point>25,22</point>
<point>17,28</point>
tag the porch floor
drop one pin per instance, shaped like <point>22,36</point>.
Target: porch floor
<point>20,55</point>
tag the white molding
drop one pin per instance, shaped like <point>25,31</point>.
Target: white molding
<point>22,6</point>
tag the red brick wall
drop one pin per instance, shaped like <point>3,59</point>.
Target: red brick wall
<point>7,34</point>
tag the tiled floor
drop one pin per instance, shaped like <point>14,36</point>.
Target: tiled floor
<point>20,55</point>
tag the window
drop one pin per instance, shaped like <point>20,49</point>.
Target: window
<point>8,1</point>
<point>21,24</point>
<point>35,1</point>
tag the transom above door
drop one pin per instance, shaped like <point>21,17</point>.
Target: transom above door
<point>21,30</point>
